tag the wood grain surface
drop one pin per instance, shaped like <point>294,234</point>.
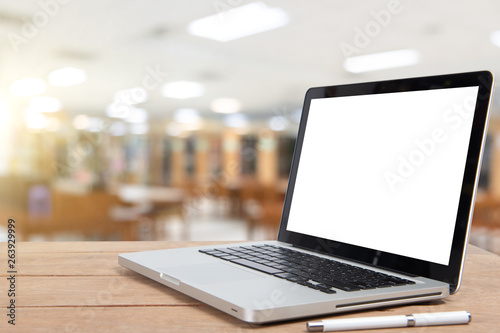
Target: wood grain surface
<point>79,287</point>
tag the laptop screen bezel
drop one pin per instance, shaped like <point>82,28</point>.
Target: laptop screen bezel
<point>447,273</point>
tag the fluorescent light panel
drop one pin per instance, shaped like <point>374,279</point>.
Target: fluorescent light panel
<point>67,76</point>
<point>225,105</point>
<point>239,22</point>
<point>183,89</point>
<point>379,61</point>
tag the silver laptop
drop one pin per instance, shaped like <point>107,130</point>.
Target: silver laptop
<point>377,210</point>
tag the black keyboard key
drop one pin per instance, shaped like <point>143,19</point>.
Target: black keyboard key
<point>328,290</point>
<point>210,251</point>
<point>257,266</point>
<point>342,285</point>
<point>257,260</point>
<point>246,256</point>
<point>230,258</point>
<point>312,283</point>
<point>277,266</point>
<point>289,276</point>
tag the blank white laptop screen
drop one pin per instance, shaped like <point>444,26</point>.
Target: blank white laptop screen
<point>384,171</point>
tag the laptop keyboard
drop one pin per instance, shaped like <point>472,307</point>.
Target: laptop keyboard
<point>305,269</point>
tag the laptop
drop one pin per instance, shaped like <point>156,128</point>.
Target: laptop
<point>377,210</point>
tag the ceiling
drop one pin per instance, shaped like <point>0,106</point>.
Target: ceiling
<point>120,42</point>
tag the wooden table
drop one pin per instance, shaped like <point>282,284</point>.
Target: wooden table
<point>79,287</point>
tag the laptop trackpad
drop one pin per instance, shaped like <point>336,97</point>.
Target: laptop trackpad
<point>209,273</point>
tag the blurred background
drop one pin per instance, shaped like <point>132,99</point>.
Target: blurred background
<point>170,120</point>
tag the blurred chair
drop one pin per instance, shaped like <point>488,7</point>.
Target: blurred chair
<point>262,208</point>
<point>485,229</point>
<point>486,212</point>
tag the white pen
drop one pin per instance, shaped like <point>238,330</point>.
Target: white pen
<point>418,319</point>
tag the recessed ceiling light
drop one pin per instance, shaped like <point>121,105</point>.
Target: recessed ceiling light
<point>379,61</point>
<point>67,76</point>
<point>495,38</point>
<point>239,22</point>
<point>226,105</point>
<point>183,89</point>
<point>28,87</point>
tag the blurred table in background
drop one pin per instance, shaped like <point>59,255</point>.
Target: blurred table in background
<point>150,203</point>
